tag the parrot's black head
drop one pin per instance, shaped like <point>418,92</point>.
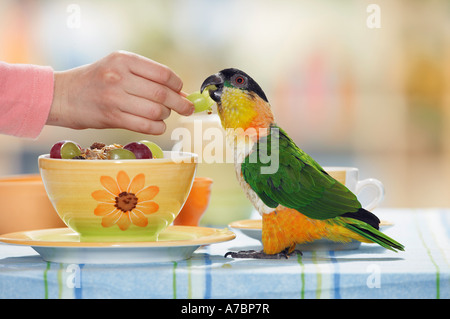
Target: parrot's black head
<point>231,78</point>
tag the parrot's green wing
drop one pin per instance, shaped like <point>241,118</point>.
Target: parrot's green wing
<point>299,182</point>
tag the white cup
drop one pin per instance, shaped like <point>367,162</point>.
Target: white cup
<point>349,176</point>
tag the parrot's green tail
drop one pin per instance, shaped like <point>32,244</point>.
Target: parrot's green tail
<point>365,230</point>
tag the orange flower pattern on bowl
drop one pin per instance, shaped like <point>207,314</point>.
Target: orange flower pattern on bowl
<point>123,202</point>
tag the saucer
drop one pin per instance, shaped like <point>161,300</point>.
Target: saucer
<point>253,229</point>
<point>62,245</point>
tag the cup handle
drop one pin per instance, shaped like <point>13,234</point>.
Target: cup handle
<point>377,185</point>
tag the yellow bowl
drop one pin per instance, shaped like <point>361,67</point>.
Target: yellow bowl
<point>119,200</point>
<point>25,205</point>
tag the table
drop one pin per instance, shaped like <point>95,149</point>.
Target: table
<point>422,271</point>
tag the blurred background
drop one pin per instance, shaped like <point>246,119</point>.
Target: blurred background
<point>352,84</point>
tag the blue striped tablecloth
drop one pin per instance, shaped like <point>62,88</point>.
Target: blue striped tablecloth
<point>422,271</point>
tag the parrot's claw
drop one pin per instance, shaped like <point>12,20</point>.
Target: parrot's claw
<point>261,254</point>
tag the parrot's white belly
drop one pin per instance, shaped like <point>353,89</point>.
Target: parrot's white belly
<point>242,148</point>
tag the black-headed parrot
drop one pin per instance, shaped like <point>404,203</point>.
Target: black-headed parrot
<point>299,201</point>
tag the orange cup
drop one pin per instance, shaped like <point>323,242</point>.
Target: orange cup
<point>196,203</point>
<point>25,205</point>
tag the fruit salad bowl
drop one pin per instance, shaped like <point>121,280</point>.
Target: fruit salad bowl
<point>118,200</point>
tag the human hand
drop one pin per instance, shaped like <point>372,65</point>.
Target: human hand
<point>121,90</point>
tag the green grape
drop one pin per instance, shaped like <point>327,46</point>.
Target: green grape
<point>157,152</point>
<point>120,153</point>
<point>202,101</point>
<point>70,150</point>
<point>206,93</point>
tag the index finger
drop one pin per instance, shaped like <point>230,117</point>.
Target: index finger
<point>155,71</point>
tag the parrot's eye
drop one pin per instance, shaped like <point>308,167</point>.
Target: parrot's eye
<point>239,80</point>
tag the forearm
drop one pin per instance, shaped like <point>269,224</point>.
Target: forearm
<point>122,90</point>
<point>26,93</point>
<point>57,116</point>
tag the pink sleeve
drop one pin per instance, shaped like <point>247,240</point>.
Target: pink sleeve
<point>26,94</point>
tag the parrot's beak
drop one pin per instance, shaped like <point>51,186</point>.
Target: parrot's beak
<point>214,85</point>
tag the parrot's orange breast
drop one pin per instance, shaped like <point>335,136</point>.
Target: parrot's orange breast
<point>286,227</point>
